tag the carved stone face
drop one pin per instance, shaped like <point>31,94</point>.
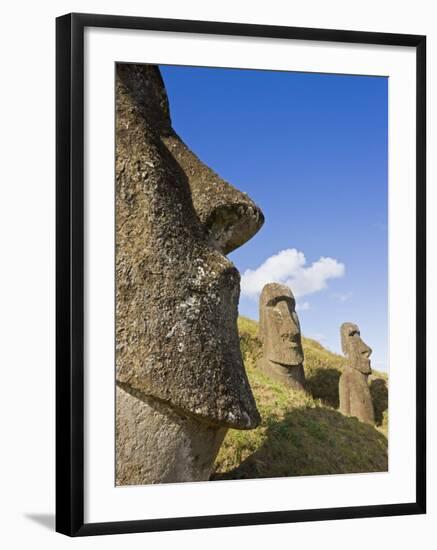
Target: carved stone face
<point>354,348</point>
<point>177,292</point>
<point>279,326</point>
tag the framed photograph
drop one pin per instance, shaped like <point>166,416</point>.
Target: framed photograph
<point>240,274</point>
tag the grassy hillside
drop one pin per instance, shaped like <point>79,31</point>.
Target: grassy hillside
<point>303,434</point>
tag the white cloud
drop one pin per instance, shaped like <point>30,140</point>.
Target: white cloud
<point>302,306</point>
<point>289,267</point>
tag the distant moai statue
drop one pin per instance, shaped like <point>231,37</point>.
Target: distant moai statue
<point>354,392</point>
<point>279,332</point>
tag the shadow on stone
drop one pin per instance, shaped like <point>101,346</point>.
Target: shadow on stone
<point>379,393</point>
<point>46,520</point>
<point>314,441</point>
<point>322,384</point>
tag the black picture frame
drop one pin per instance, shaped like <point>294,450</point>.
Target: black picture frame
<point>70,273</point>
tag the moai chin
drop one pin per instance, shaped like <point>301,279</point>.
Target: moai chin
<point>279,331</point>
<point>354,392</point>
<point>180,378</point>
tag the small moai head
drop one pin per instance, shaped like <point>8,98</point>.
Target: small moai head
<point>279,325</point>
<point>354,348</point>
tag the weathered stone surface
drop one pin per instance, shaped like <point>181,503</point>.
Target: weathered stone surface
<point>176,293</point>
<point>279,332</point>
<point>354,392</point>
<point>183,447</point>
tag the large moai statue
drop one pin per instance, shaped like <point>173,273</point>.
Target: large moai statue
<point>180,378</point>
<point>354,392</point>
<point>279,332</point>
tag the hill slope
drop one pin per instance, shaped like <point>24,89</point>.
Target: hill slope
<point>303,434</point>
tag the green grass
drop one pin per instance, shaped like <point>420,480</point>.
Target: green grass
<point>303,433</point>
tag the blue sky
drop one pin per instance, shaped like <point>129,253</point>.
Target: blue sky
<point>311,151</point>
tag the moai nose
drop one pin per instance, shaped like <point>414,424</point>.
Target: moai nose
<point>290,326</point>
<point>230,216</point>
<point>365,349</point>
